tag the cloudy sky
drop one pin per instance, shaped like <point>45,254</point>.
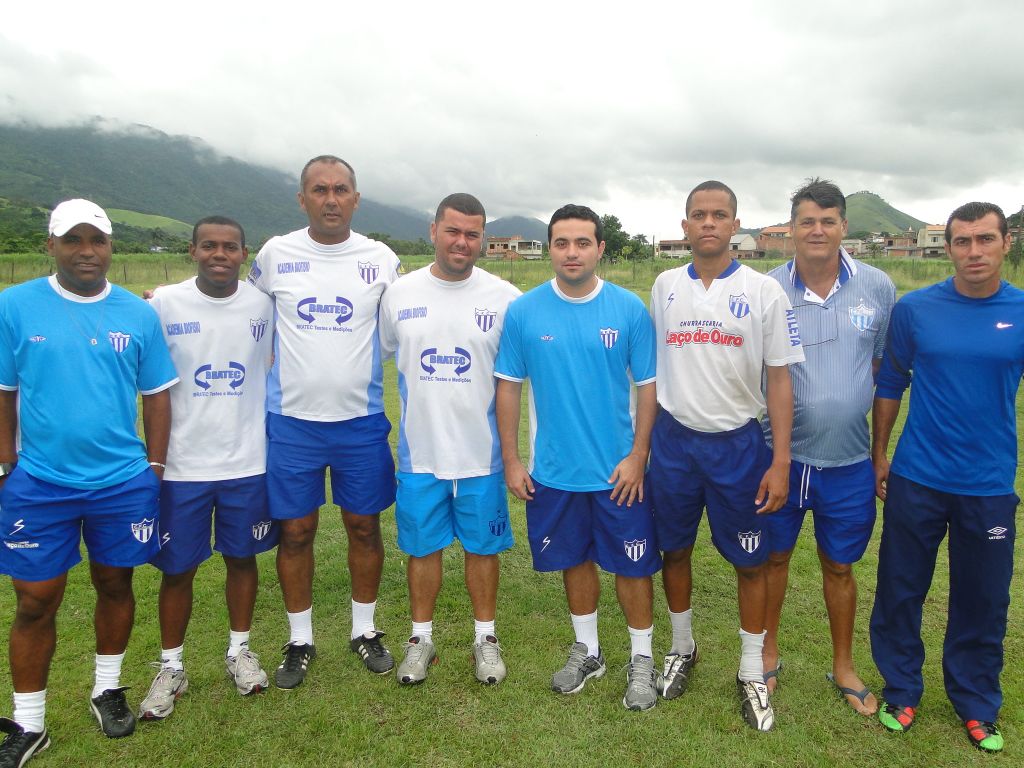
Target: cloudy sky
<point>624,106</point>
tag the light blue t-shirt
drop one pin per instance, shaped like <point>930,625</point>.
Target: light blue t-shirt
<point>966,357</point>
<point>581,356</point>
<point>77,400</point>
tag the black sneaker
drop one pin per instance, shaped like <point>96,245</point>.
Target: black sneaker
<point>375,656</point>
<point>292,671</point>
<point>112,713</point>
<point>19,745</point>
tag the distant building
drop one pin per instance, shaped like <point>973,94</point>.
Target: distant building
<point>776,239</point>
<point>673,249</point>
<point>744,247</point>
<point>515,247</point>
<point>854,246</point>
<point>932,238</point>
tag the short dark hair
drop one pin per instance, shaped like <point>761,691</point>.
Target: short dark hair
<point>331,160</point>
<point>709,186</point>
<point>464,203</point>
<point>821,192</point>
<point>973,212</point>
<point>219,221</point>
<point>572,211</point>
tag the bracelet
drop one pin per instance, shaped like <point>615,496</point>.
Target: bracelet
<point>157,464</point>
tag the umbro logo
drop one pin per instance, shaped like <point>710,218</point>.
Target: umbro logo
<point>547,337</point>
<point>997,533</point>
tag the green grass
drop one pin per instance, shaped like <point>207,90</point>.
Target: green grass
<point>343,716</point>
<point>150,221</point>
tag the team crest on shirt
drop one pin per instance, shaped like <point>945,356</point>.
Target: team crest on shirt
<point>861,316</point>
<point>485,319</point>
<point>257,328</point>
<point>143,530</point>
<point>749,540</point>
<point>119,341</point>
<point>368,271</point>
<point>635,549</point>
<point>739,306</point>
<point>498,524</point>
<point>609,336</point>
<point>260,530</point>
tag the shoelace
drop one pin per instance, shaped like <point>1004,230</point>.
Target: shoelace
<point>490,652</point>
<point>293,658</point>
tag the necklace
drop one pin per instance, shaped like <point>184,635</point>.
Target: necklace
<point>103,309</point>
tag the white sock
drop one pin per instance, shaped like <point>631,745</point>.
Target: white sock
<point>362,618</point>
<point>682,632</point>
<point>640,641</point>
<point>300,625</point>
<point>30,711</point>
<point>108,673</point>
<point>423,629</point>
<point>484,628</point>
<point>235,642</point>
<point>171,658</point>
<point>751,666</point>
<point>585,628</point>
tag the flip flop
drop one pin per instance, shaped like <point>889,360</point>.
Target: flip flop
<point>843,692</point>
<point>774,673</point>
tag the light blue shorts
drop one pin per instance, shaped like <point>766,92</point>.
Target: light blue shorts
<point>431,513</point>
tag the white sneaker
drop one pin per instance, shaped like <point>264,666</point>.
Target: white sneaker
<point>246,671</point>
<point>756,704</point>
<point>490,667</point>
<point>419,654</point>
<point>168,686</point>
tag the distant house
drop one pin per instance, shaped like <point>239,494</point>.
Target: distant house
<point>854,246</point>
<point>673,249</point>
<point>744,247</point>
<point>776,239</point>
<point>515,247</point>
<point>932,238</point>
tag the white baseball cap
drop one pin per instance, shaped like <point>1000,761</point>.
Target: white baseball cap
<point>71,213</point>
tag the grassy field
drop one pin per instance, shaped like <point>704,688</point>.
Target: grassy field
<point>343,716</point>
<point>150,221</point>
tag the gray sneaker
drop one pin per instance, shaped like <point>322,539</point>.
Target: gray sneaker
<point>641,692</point>
<point>675,678</point>
<point>579,668</point>
<point>419,654</point>
<point>246,671</point>
<point>755,704</point>
<point>168,686</point>
<point>490,667</point>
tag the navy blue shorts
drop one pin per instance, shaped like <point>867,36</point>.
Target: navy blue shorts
<point>567,528</point>
<point>722,471</point>
<point>236,510</point>
<point>42,525</point>
<point>843,500</point>
<point>357,451</point>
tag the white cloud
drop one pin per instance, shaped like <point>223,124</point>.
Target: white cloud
<point>530,105</point>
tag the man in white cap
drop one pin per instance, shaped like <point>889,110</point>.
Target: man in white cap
<point>75,352</point>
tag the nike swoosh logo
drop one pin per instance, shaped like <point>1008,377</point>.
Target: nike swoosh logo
<point>1001,326</point>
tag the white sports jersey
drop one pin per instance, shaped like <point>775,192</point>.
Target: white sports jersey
<point>446,337</point>
<point>712,344</point>
<point>327,364</point>
<point>222,350</point>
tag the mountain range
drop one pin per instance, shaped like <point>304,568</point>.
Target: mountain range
<point>153,179</point>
